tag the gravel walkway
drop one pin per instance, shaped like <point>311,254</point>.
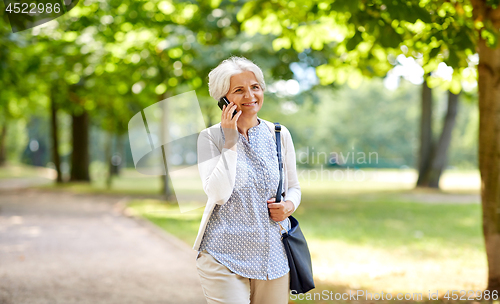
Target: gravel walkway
<point>69,248</point>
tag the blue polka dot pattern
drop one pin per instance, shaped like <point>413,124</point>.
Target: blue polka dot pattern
<point>240,234</point>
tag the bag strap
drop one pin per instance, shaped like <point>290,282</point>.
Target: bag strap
<point>277,131</point>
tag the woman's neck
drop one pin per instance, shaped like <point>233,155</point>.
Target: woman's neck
<point>245,123</point>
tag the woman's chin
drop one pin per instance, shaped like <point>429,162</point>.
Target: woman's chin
<point>248,114</point>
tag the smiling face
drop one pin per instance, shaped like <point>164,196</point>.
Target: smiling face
<point>246,92</point>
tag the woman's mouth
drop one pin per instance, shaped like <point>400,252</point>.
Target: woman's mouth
<point>251,104</point>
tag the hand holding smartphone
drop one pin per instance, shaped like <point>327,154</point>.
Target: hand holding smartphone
<point>223,101</point>
<point>229,126</point>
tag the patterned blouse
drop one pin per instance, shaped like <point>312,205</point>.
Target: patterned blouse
<point>240,234</point>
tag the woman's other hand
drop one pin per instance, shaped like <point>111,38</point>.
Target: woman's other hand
<point>280,211</point>
<point>229,126</point>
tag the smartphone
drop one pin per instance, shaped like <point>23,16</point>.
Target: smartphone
<point>223,101</point>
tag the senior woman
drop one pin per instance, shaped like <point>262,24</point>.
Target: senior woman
<point>241,258</point>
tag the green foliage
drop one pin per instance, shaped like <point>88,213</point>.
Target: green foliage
<point>115,58</point>
<point>361,35</point>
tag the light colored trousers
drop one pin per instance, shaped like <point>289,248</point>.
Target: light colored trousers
<point>222,286</point>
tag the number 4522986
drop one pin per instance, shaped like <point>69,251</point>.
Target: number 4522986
<point>33,9</point>
<point>471,295</point>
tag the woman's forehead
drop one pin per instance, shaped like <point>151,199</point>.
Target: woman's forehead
<point>243,78</point>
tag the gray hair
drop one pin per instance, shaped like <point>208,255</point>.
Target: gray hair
<point>220,77</point>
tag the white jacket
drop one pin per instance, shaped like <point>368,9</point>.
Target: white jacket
<point>217,167</point>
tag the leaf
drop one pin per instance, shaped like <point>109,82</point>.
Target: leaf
<point>421,14</point>
<point>463,40</point>
<point>354,41</point>
<point>214,3</point>
<point>326,74</point>
<point>389,37</point>
<point>453,59</point>
<point>491,37</point>
<point>434,52</point>
<point>282,43</point>
<point>455,85</point>
<point>246,11</point>
<point>353,5</point>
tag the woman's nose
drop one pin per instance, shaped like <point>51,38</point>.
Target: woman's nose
<point>249,94</point>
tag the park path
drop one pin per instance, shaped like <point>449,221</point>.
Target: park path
<point>72,248</point>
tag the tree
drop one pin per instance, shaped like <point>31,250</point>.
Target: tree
<point>435,162</point>
<point>377,31</point>
<point>488,13</point>
<point>426,143</point>
<point>20,96</point>
<point>110,60</point>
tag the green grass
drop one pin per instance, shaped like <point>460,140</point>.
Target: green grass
<point>127,186</point>
<point>168,216</point>
<point>382,221</point>
<point>129,182</point>
<point>362,220</point>
<point>11,171</point>
<point>376,231</point>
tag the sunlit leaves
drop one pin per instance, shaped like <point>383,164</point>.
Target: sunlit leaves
<point>215,3</point>
<point>70,36</point>
<point>161,88</point>
<point>185,13</point>
<point>317,35</point>
<point>282,43</point>
<point>166,7</point>
<point>175,53</point>
<point>326,74</point>
<point>196,82</point>
<point>172,81</point>
<point>440,31</point>
<point>252,25</point>
<point>491,37</point>
<point>246,12</point>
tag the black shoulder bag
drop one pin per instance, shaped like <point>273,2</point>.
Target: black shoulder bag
<point>297,252</point>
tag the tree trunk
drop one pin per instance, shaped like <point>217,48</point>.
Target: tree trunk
<point>108,154</point>
<point>489,142</point>
<point>426,143</point>
<point>3,135</point>
<point>55,139</point>
<point>80,154</point>
<point>119,153</point>
<point>439,155</point>
<point>167,190</point>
